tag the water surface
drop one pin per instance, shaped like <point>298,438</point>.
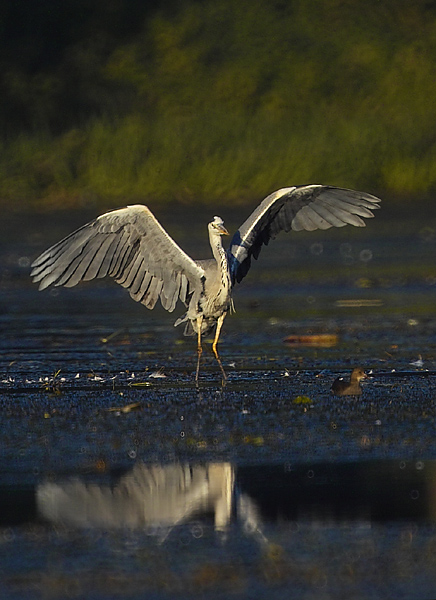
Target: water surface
<point>120,477</point>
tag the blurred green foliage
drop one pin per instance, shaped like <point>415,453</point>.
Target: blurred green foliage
<point>199,100</point>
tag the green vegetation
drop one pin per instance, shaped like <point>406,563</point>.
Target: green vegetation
<point>216,101</point>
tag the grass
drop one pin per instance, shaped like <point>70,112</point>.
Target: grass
<point>208,103</point>
<point>208,157</point>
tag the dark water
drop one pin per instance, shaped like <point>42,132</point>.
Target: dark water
<point>120,478</point>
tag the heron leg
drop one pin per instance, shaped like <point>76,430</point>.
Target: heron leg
<point>215,342</point>
<point>199,348</point>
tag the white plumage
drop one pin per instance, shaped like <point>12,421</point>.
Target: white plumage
<point>130,245</point>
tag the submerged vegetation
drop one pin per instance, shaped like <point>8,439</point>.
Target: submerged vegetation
<point>212,101</point>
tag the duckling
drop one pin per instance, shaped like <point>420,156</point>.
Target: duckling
<point>341,387</point>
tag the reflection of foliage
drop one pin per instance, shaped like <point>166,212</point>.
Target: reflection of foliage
<point>222,100</point>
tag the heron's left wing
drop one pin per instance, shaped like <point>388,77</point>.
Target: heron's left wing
<point>130,245</point>
<point>306,207</point>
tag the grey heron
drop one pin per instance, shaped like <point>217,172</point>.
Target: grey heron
<point>130,245</point>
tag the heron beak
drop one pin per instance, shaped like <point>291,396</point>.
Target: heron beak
<point>223,231</point>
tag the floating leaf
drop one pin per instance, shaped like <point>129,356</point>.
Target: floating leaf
<point>359,302</point>
<point>105,340</point>
<point>125,409</point>
<point>302,400</point>
<point>325,340</point>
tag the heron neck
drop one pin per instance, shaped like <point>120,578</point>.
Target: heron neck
<point>218,251</point>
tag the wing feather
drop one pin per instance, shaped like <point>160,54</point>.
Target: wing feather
<point>139,278</point>
<point>153,293</point>
<point>130,245</point>
<point>307,218</point>
<point>69,271</point>
<point>321,216</point>
<point>81,265</point>
<point>98,259</point>
<point>120,258</point>
<point>129,272</point>
<point>168,293</point>
<point>307,207</point>
<point>75,268</point>
<point>325,212</point>
<point>348,207</point>
<point>183,288</point>
<point>139,294</point>
<point>107,258</point>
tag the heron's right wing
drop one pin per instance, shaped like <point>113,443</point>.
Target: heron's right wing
<point>130,245</point>
<point>306,207</point>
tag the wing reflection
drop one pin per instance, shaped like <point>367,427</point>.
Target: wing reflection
<point>156,498</point>
<point>147,496</point>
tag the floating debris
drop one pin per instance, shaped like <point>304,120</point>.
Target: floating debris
<point>324,340</point>
<point>125,409</point>
<point>105,340</point>
<point>157,374</point>
<point>140,384</point>
<point>52,384</point>
<point>417,363</point>
<point>358,303</point>
<point>302,400</point>
<point>93,377</point>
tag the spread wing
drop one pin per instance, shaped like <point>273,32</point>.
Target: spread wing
<point>307,207</point>
<point>131,246</point>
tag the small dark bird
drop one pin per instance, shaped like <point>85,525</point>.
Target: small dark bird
<point>342,387</point>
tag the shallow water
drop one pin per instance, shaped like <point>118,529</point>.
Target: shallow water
<point>119,477</point>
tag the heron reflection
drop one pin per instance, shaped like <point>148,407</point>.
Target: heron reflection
<point>158,497</point>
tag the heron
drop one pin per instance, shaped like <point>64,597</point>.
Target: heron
<point>130,245</point>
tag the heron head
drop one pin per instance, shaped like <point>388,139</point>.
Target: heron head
<point>217,226</point>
